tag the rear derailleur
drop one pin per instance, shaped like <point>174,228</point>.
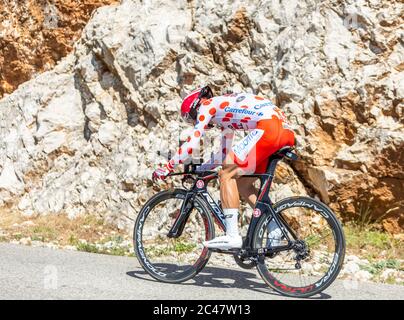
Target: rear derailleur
<point>302,252</point>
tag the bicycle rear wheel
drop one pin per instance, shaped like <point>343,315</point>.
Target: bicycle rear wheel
<point>315,261</point>
<point>167,259</point>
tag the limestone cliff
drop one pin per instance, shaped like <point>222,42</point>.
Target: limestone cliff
<point>34,34</point>
<point>83,137</point>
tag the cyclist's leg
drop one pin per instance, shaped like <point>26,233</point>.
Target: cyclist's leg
<point>233,168</point>
<point>255,161</point>
<point>230,203</point>
<point>275,137</point>
<point>229,194</point>
<point>247,190</point>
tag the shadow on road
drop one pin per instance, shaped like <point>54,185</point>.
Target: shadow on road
<point>214,277</point>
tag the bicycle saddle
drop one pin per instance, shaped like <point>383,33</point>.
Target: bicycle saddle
<point>287,152</point>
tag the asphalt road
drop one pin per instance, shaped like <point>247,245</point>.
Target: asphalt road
<point>43,273</point>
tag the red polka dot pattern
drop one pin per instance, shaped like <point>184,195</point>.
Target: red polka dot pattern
<point>224,104</point>
<point>217,111</point>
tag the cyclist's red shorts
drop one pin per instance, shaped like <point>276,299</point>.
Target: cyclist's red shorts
<point>275,136</point>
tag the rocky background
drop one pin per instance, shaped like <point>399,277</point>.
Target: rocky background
<point>35,34</point>
<point>83,137</point>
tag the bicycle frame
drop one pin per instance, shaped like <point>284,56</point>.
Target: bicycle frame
<point>262,206</point>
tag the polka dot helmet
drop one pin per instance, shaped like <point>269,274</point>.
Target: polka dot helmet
<point>191,103</point>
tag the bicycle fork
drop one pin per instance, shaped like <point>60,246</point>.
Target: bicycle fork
<point>182,218</point>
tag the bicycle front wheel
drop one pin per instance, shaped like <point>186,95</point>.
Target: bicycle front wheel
<point>318,252</point>
<point>168,259</point>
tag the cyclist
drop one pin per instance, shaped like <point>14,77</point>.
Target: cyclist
<point>269,131</point>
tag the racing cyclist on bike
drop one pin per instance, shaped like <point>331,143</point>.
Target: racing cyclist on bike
<point>269,131</point>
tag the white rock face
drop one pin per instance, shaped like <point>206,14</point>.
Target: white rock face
<point>363,275</point>
<point>84,137</point>
<point>8,178</point>
<point>351,267</point>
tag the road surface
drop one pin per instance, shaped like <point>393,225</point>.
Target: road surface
<point>43,273</point>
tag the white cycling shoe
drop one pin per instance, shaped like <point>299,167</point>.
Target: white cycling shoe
<point>224,242</point>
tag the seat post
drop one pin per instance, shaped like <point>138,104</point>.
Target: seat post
<point>267,178</point>
<point>273,162</point>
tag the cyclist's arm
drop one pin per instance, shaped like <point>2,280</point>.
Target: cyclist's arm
<point>192,143</point>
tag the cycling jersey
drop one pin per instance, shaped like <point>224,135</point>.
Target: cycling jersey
<point>231,112</point>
